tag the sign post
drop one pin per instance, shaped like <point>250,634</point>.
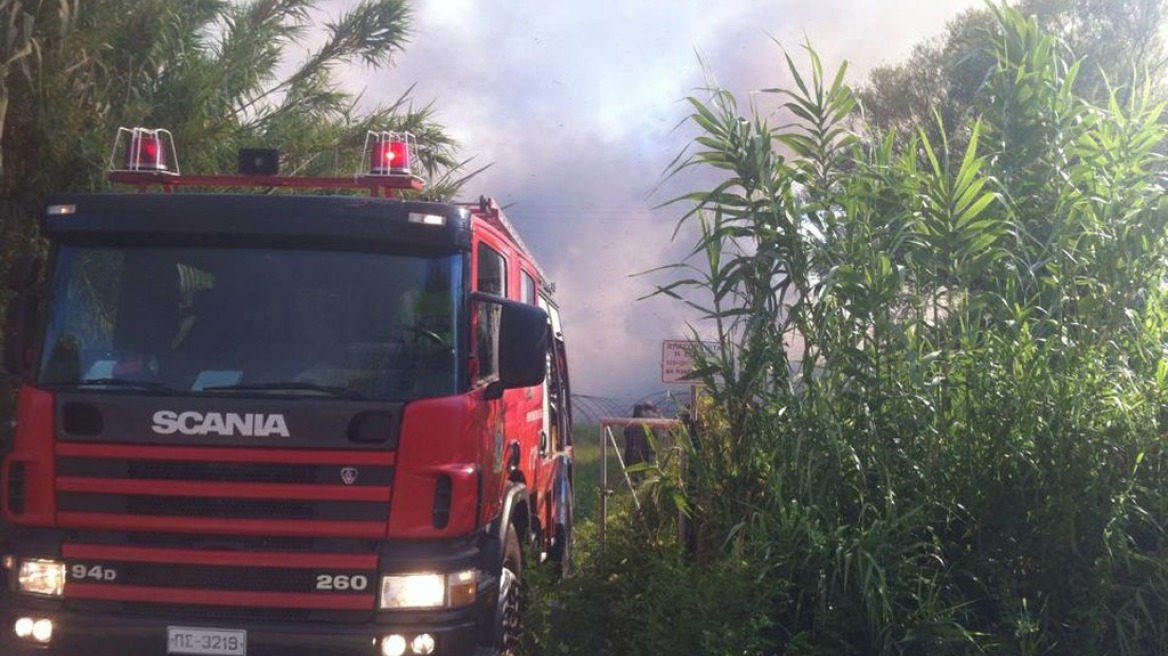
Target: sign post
<point>677,363</point>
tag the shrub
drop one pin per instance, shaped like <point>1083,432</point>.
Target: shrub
<point>936,405</point>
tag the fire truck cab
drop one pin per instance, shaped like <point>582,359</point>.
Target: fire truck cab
<point>254,424</point>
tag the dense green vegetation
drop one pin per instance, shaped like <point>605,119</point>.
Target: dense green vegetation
<point>587,473</point>
<point>1116,42</point>
<point>934,422</point>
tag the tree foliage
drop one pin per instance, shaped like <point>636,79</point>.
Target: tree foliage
<point>1118,43</point>
<point>220,75</point>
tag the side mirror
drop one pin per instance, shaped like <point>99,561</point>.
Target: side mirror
<point>22,309</point>
<point>513,338</point>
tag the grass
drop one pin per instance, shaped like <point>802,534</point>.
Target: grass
<point>587,472</point>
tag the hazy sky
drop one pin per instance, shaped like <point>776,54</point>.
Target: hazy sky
<point>576,106</point>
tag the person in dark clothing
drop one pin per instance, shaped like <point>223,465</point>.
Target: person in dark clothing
<point>637,446</point>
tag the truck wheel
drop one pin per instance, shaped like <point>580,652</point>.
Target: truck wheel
<point>511,595</point>
<point>509,613</point>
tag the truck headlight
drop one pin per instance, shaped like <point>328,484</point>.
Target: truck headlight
<point>429,590</point>
<point>41,577</point>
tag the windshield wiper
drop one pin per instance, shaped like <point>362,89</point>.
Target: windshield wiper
<point>116,382</point>
<point>289,386</point>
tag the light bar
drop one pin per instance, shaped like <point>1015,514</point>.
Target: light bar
<point>146,157</point>
<point>390,153</point>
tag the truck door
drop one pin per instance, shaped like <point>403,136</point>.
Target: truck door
<point>558,453</point>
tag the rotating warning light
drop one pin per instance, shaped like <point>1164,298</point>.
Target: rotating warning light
<point>390,153</point>
<point>146,153</point>
<point>145,150</point>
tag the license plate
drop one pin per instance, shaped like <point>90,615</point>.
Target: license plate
<point>191,640</point>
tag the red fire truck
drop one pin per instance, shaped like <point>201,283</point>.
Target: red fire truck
<point>279,423</point>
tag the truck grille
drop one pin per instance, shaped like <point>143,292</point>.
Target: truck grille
<point>244,472</point>
<point>227,531</point>
<point>272,579</point>
<point>199,507</point>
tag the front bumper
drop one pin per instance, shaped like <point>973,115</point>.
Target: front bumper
<point>94,634</point>
<point>84,627</point>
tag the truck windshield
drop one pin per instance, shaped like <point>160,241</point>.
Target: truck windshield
<point>253,321</point>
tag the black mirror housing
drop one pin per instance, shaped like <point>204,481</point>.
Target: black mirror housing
<point>518,357</point>
<point>523,345</point>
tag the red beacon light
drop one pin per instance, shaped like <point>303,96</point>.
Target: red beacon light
<point>390,153</point>
<point>145,150</point>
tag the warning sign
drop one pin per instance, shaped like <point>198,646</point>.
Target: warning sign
<point>676,362</point>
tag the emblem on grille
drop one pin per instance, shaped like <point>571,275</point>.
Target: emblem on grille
<point>349,475</point>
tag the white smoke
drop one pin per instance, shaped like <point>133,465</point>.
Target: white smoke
<point>576,107</point>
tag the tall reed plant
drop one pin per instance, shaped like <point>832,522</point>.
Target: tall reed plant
<point>936,406</point>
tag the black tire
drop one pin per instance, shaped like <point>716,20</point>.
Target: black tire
<point>509,628</point>
<point>511,632</point>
